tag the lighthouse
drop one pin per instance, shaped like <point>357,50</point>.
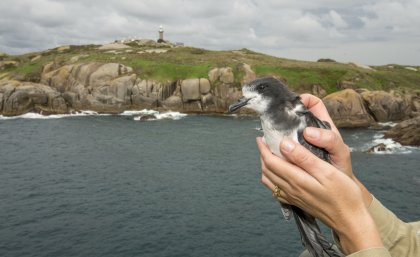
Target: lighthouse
<point>160,40</point>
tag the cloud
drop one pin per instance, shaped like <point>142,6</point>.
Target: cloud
<point>319,28</point>
<point>336,19</point>
<point>393,17</point>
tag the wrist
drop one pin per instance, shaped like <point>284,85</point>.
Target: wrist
<point>366,195</point>
<point>358,232</point>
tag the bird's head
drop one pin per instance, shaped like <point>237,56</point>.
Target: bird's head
<point>263,94</point>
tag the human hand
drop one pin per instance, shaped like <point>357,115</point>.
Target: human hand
<point>331,141</point>
<point>317,107</point>
<point>323,191</point>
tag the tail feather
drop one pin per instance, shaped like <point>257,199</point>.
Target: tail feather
<point>312,238</point>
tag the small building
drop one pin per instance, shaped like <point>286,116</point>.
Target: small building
<point>160,40</point>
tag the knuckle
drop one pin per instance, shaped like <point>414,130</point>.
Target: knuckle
<point>269,163</point>
<point>303,158</point>
<point>263,181</point>
<point>293,196</point>
<point>264,170</point>
<point>298,182</point>
<point>330,137</point>
<point>328,175</point>
<point>346,151</point>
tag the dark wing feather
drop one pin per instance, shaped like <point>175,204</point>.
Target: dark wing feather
<point>311,236</point>
<point>312,121</point>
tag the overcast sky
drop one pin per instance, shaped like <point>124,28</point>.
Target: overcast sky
<point>371,32</point>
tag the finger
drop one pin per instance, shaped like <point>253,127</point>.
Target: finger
<point>282,172</point>
<point>324,138</point>
<point>317,107</point>
<point>282,168</point>
<point>281,196</point>
<point>273,178</point>
<point>310,100</point>
<point>263,148</point>
<point>303,158</point>
<point>330,141</point>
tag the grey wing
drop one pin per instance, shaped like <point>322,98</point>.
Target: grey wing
<point>312,121</point>
<point>311,236</point>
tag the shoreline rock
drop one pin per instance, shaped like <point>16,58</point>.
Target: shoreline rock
<point>114,88</point>
<point>347,109</point>
<point>385,106</point>
<point>406,132</point>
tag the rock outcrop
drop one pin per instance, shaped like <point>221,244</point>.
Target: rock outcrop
<point>113,46</point>
<point>17,98</point>
<point>385,106</point>
<point>113,88</point>
<point>8,64</point>
<point>318,91</point>
<point>249,74</point>
<point>378,148</point>
<point>406,132</point>
<point>347,109</point>
<point>103,87</point>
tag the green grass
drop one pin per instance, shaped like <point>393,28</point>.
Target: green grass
<point>158,70</point>
<point>189,62</point>
<point>302,77</point>
<point>29,71</point>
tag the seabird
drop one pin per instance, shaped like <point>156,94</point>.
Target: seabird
<point>283,115</point>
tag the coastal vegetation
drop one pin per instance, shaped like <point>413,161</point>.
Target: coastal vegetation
<point>144,74</point>
<point>162,62</point>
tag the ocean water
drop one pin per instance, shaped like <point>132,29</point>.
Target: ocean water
<point>113,185</point>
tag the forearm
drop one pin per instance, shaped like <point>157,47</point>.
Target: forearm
<point>399,238</point>
<point>371,252</point>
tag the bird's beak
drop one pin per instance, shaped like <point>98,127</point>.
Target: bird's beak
<point>241,102</point>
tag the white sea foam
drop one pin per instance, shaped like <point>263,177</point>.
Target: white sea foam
<point>170,115</point>
<point>31,115</point>
<point>391,147</point>
<point>387,124</point>
<point>138,114</point>
<point>378,136</point>
<point>153,115</point>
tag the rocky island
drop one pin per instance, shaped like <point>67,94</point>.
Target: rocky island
<point>143,74</point>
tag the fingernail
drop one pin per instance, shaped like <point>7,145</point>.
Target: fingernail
<point>312,133</point>
<point>287,145</point>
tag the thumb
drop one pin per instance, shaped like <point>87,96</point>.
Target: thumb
<point>333,144</point>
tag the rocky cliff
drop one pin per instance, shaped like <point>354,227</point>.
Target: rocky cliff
<point>363,108</point>
<point>114,87</point>
<point>406,132</point>
<point>145,74</point>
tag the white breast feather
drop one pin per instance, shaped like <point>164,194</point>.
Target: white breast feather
<point>273,137</point>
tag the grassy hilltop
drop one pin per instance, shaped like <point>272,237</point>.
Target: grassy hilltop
<point>187,62</point>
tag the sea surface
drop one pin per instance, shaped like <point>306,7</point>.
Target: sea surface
<point>113,185</point>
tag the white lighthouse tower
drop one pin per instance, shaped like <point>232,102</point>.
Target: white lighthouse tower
<point>160,40</point>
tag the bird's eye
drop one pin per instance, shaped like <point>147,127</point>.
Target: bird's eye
<point>261,87</point>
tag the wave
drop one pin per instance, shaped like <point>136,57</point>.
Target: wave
<point>387,124</point>
<point>31,115</point>
<point>138,112</point>
<point>138,115</point>
<point>380,145</point>
<point>149,115</point>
